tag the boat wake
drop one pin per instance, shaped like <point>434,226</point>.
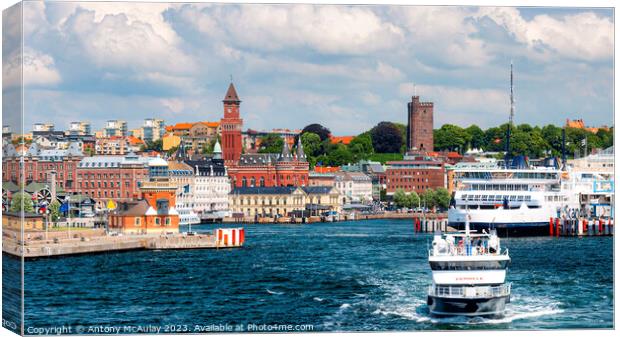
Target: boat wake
<point>520,308</point>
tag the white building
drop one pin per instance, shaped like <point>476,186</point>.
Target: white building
<point>212,185</point>
<point>354,186</point>
<point>183,176</point>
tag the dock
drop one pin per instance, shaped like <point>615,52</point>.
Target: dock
<point>86,243</point>
<point>344,217</point>
<point>581,227</point>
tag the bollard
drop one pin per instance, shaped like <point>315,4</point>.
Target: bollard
<point>580,227</point>
<point>584,226</point>
<point>600,226</point>
<point>557,227</point>
<point>550,226</point>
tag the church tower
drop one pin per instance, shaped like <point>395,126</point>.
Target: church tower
<point>231,127</point>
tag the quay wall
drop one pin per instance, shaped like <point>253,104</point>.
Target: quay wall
<point>98,244</point>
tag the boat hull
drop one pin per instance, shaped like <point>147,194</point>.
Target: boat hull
<point>512,222</point>
<point>486,307</point>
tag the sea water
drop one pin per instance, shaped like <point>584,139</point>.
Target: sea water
<point>356,276</point>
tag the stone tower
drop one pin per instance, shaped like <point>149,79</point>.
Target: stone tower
<point>231,127</point>
<point>419,125</point>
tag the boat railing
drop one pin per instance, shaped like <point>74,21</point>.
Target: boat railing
<point>471,250</point>
<point>469,292</point>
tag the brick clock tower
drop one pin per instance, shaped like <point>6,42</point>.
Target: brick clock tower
<point>231,127</point>
<point>419,125</point>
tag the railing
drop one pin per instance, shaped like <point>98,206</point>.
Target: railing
<point>469,292</point>
<point>463,251</point>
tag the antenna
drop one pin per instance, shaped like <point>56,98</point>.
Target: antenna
<point>512,97</point>
<point>231,79</point>
<point>510,119</point>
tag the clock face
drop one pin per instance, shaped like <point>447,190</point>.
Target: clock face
<point>229,110</point>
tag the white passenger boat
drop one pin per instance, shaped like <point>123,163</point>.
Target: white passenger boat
<point>469,274</point>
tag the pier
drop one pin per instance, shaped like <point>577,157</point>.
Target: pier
<point>342,217</point>
<point>581,227</point>
<point>87,241</point>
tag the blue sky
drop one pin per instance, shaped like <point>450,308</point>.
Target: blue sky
<point>346,67</point>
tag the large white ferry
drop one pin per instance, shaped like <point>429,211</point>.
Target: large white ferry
<point>469,274</point>
<point>520,199</point>
<point>512,197</point>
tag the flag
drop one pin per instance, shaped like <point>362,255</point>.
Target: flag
<point>64,207</point>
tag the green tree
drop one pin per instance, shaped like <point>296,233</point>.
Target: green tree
<point>311,143</point>
<point>318,129</point>
<point>606,137</point>
<point>450,138</point>
<point>339,156</point>
<point>386,138</point>
<point>54,209</point>
<point>427,198</point>
<point>207,148</point>
<point>442,198</point>
<point>413,199</point>
<point>361,147</point>
<point>21,201</point>
<point>494,138</point>
<point>153,145</point>
<point>476,136</point>
<point>271,143</point>
<point>403,131</point>
<point>553,137</point>
<point>400,198</point>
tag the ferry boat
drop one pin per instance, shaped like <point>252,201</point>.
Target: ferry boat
<point>516,200</point>
<point>515,197</point>
<point>469,274</point>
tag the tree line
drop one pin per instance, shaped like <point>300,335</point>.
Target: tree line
<point>387,141</point>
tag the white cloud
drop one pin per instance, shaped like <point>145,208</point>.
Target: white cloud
<point>326,29</point>
<point>119,42</point>
<point>370,98</point>
<point>583,36</point>
<point>443,33</point>
<point>38,69</point>
<point>175,105</point>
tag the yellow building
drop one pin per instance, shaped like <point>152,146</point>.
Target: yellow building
<point>283,200</point>
<point>170,140</point>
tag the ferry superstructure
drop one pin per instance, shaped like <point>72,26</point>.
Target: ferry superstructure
<point>469,274</point>
<point>519,200</point>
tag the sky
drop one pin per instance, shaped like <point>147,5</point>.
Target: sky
<point>346,67</point>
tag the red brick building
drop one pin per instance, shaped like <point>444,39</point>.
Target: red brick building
<point>414,175</point>
<point>271,169</point>
<point>419,125</point>
<point>258,169</point>
<point>231,126</point>
<point>40,163</point>
<point>114,178</point>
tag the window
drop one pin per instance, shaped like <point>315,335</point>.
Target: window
<point>167,221</point>
<point>137,221</point>
<point>156,221</point>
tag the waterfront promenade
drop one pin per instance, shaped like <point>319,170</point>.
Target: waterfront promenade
<point>96,241</point>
